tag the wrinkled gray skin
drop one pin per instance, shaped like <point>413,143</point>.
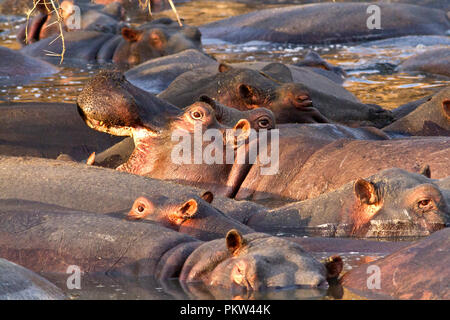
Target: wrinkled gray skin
<point>418,271</point>
<point>156,75</point>
<point>329,98</point>
<point>18,283</point>
<point>397,210</point>
<point>435,61</point>
<point>47,130</point>
<point>317,24</point>
<point>103,244</point>
<point>134,46</point>
<point>15,64</point>
<point>430,118</point>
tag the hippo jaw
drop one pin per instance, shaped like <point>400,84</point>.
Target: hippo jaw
<point>103,126</point>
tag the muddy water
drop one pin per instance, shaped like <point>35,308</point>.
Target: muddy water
<point>371,77</point>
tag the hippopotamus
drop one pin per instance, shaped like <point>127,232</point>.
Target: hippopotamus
<point>317,23</point>
<point>133,46</point>
<point>157,74</point>
<point>435,61</point>
<point>430,118</point>
<point>19,283</point>
<point>294,94</point>
<point>78,186</point>
<point>47,130</point>
<point>195,217</point>
<point>246,179</point>
<point>392,203</point>
<point>93,17</point>
<point>313,61</point>
<point>16,65</point>
<point>252,262</point>
<point>418,271</point>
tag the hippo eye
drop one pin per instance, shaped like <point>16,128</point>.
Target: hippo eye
<point>263,123</point>
<point>424,204</point>
<point>196,115</point>
<point>141,209</point>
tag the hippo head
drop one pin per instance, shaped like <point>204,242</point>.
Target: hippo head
<point>272,88</point>
<point>159,38</point>
<point>259,118</point>
<point>196,216</point>
<point>109,103</point>
<point>432,118</point>
<point>257,262</point>
<point>398,203</point>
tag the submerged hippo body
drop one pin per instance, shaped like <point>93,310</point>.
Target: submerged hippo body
<point>17,65</point>
<point>47,130</point>
<point>156,75</point>
<point>435,61</point>
<point>93,17</point>
<point>134,46</point>
<point>18,283</point>
<point>286,90</point>
<point>245,261</point>
<point>430,118</point>
<point>81,187</point>
<point>392,203</point>
<point>317,24</point>
<point>419,271</point>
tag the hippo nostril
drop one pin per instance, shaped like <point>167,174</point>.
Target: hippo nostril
<point>302,97</point>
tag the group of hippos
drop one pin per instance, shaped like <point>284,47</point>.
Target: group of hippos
<point>92,184</point>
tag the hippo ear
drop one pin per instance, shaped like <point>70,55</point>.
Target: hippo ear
<point>208,196</point>
<point>278,72</point>
<point>208,100</point>
<point>446,108</point>
<point>91,160</point>
<point>365,191</point>
<point>334,266</point>
<point>426,171</point>
<point>234,241</point>
<point>187,210</point>
<point>242,130</point>
<point>131,35</point>
<point>224,67</point>
<point>141,208</point>
<point>249,94</point>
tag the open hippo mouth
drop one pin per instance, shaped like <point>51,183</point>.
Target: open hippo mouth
<point>109,103</point>
<point>105,126</point>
